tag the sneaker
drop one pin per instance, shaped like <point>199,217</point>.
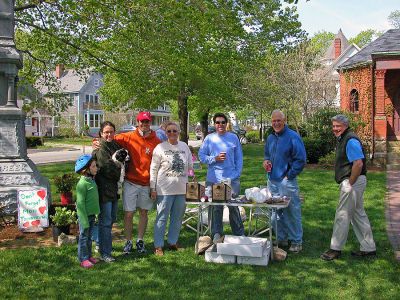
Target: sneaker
<point>86,264</point>
<point>218,238</point>
<point>295,248</point>
<point>363,253</point>
<point>107,258</point>
<point>140,247</point>
<point>158,251</point>
<point>331,254</point>
<point>174,247</point>
<point>128,247</point>
<point>93,260</point>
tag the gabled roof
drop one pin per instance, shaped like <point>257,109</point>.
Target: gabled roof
<point>387,44</point>
<point>70,82</point>
<point>330,52</point>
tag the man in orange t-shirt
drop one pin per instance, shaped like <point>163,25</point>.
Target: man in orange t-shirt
<point>140,144</point>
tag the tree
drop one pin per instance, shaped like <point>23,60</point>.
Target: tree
<point>365,37</point>
<point>321,41</point>
<point>394,19</point>
<point>152,52</point>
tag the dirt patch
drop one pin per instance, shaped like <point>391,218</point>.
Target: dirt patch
<point>13,238</point>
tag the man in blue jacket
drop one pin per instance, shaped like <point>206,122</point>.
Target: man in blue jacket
<point>284,159</point>
<point>222,152</point>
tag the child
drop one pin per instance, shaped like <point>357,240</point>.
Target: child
<point>87,206</point>
<point>196,162</point>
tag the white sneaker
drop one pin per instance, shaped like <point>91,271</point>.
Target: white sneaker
<point>218,238</point>
<point>107,259</point>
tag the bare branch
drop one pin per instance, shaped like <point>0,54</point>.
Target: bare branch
<point>67,42</point>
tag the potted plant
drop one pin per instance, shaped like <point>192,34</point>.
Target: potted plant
<point>64,185</point>
<point>62,219</point>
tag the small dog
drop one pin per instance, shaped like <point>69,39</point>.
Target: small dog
<point>120,157</point>
<point>64,239</point>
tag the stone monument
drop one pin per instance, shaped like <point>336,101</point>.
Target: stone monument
<point>17,172</point>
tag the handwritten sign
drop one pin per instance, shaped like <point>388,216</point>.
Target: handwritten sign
<point>33,213</point>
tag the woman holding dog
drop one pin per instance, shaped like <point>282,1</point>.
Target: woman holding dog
<point>107,181</point>
<point>169,168</point>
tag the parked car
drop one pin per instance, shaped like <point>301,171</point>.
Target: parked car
<point>126,128</point>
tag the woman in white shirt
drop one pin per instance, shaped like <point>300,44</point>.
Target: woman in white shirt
<point>169,168</point>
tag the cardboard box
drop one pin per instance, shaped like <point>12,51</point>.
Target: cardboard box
<point>211,255</point>
<point>194,191</point>
<point>257,261</point>
<point>242,246</point>
<point>221,192</point>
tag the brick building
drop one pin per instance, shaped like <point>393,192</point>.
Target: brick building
<point>370,87</point>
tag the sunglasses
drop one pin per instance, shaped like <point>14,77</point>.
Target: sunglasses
<point>220,122</point>
<point>144,121</point>
<point>170,131</point>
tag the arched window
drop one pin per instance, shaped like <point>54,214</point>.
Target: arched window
<point>354,102</point>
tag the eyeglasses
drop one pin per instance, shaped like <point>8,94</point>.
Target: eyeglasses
<point>170,131</point>
<point>220,122</point>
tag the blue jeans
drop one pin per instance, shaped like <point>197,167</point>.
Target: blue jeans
<point>107,216</point>
<point>95,233</point>
<point>85,240</point>
<point>172,206</point>
<point>235,220</point>
<point>289,219</point>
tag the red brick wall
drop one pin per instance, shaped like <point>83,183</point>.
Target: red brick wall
<point>361,80</point>
<point>392,84</point>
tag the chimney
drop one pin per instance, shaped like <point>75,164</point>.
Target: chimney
<point>59,70</point>
<point>338,47</point>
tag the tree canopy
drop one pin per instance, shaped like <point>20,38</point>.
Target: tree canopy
<point>155,51</point>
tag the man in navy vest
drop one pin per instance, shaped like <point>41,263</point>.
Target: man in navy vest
<point>284,159</point>
<point>350,171</point>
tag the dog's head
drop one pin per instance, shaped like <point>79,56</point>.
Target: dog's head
<point>121,155</point>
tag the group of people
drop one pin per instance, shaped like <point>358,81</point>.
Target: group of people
<point>158,171</point>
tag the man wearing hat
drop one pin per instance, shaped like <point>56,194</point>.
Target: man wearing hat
<point>140,144</point>
<point>350,171</point>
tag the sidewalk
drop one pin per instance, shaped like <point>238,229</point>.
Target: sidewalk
<point>392,210</point>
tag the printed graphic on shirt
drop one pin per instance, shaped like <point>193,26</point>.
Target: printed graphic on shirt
<point>176,166</point>
<point>147,150</point>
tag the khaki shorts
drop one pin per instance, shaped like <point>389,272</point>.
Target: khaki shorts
<point>136,195</point>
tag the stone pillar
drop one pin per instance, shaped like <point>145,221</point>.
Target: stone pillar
<point>17,171</point>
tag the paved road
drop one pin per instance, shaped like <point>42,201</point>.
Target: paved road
<point>65,153</point>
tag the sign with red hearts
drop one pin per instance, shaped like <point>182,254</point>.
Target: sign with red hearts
<point>33,210</point>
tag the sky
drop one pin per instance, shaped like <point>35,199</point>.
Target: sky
<point>352,16</point>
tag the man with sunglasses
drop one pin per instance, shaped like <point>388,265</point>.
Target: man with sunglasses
<point>284,159</point>
<point>140,144</point>
<point>222,152</point>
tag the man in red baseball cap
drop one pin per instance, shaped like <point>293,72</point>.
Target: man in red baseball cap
<point>140,144</point>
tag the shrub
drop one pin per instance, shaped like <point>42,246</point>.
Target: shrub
<point>328,160</point>
<point>65,183</point>
<point>33,141</point>
<point>315,149</point>
<point>67,129</point>
<point>63,216</point>
<point>253,136</point>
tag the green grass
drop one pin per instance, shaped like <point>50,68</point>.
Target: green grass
<point>54,272</point>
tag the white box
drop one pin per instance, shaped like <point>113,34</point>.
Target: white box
<point>211,255</point>
<point>258,261</point>
<point>242,246</point>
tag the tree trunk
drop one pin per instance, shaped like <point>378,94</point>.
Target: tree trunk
<point>183,116</point>
<point>204,123</point>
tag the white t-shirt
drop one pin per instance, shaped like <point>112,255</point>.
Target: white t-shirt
<point>169,168</point>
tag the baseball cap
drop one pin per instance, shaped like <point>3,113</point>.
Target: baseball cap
<point>144,115</point>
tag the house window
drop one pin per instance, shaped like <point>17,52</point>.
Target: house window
<point>94,120</point>
<point>354,101</point>
<point>94,99</point>
<point>28,121</point>
<point>96,82</point>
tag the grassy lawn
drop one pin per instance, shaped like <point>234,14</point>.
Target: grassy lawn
<point>55,273</point>
<point>87,141</point>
